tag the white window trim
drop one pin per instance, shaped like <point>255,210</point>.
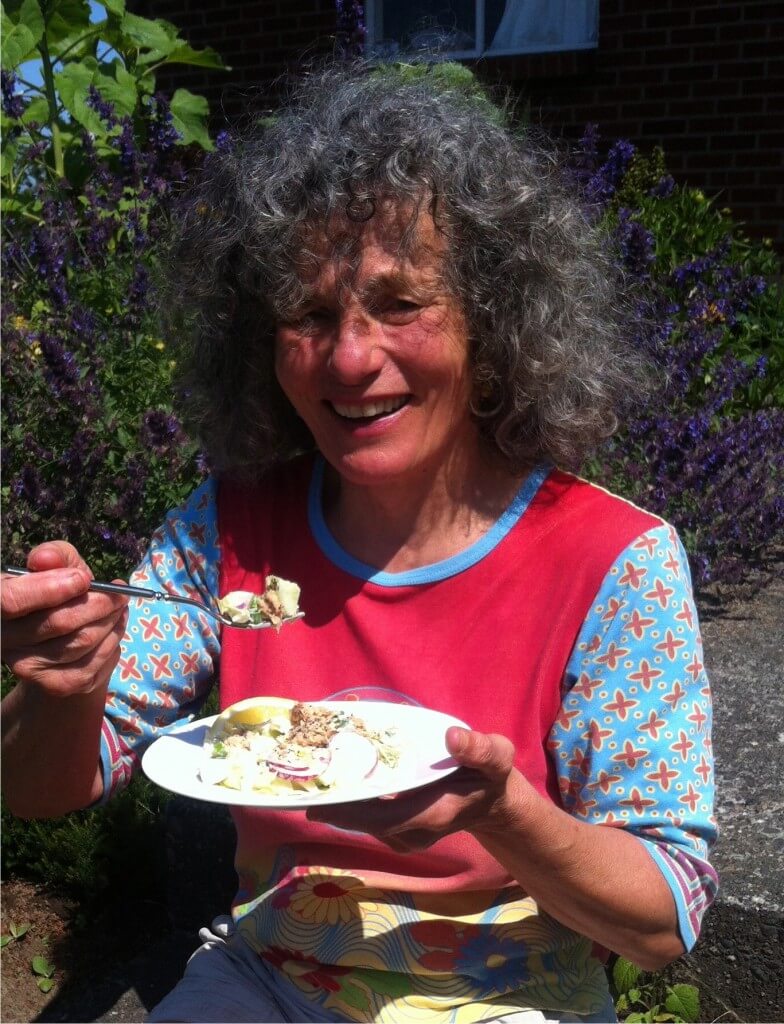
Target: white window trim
<point>479,31</point>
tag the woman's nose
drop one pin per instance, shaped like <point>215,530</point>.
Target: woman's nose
<point>356,350</point>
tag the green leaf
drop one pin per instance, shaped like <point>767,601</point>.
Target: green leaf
<point>42,966</point>
<point>185,54</point>
<point>8,155</point>
<point>23,203</point>
<point>45,984</point>
<point>79,44</point>
<point>27,13</point>
<point>124,438</point>
<point>684,1000</point>
<point>4,940</point>
<point>21,32</point>
<point>18,930</point>
<point>118,86</point>
<point>625,974</point>
<point>115,7</point>
<point>37,110</point>
<point>17,43</point>
<point>454,75</point>
<point>189,116</point>
<point>145,82</point>
<point>73,84</point>
<point>66,20</point>
<point>151,35</point>
<point>150,57</point>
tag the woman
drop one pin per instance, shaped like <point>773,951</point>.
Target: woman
<point>397,324</point>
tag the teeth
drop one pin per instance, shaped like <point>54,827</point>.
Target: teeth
<point>356,412</point>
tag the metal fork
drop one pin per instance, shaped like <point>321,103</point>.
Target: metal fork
<point>161,595</point>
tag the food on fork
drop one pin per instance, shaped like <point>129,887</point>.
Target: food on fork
<point>271,745</point>
<point>279,601</point>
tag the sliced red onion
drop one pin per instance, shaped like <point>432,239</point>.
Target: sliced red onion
<point>296,770</point>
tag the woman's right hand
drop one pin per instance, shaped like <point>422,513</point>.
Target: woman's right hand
<point>58,635</point>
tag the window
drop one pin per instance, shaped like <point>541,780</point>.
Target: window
<point>475,28</point>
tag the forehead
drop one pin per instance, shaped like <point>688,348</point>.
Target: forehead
<point>397,241</point>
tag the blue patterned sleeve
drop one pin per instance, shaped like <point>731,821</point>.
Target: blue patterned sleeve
<point>632,741</point>
<point>170,652</point>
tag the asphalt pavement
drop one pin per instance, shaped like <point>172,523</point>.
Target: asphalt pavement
<point>744,651</point>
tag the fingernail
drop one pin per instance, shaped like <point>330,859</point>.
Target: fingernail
<point>458,739</point>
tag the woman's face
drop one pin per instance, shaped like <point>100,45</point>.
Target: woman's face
<point>376,361</point>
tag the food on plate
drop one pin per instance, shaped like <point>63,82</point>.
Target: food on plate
<point>279,601</point>
<point>272,745</point>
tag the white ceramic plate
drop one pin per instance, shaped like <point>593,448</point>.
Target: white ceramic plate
<point>173,761</point>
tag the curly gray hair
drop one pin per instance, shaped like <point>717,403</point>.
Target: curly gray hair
<point>532,273</point>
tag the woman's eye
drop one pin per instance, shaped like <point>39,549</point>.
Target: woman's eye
<point>310,319</point>
<point>400,308</point>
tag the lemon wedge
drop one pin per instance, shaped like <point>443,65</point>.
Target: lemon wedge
<point>252,711</point>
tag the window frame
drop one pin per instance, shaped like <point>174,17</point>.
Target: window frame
<point>477,52</point>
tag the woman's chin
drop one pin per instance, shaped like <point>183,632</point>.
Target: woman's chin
<point>363,469</point>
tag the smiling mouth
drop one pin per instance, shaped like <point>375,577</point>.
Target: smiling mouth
<point>369,410</point>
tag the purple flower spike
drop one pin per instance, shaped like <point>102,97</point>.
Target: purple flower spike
<point>103,108</point>
<point>705,452</point>
<point>13,103</point>
<point>350,28</point>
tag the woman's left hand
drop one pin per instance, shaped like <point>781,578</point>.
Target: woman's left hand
<point>484,795</point>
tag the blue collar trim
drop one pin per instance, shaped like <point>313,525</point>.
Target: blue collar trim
<point>426,573</point>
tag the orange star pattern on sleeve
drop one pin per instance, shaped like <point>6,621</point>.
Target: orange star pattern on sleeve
<point>170,652</point>
<point>632,740</point>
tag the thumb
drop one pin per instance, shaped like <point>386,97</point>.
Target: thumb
<point>56,554</point>
<point>488,753</point>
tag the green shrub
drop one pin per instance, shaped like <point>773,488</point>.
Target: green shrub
<point>645,998</point>
<point>93,452</point>
<point>94,856</point>
<point>91,158</point>
<point>705,451</point>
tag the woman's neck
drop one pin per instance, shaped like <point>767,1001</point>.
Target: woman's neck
<point>396,528</point>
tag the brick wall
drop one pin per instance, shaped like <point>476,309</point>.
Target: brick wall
<point>702,78</point>
<point>261,40</point>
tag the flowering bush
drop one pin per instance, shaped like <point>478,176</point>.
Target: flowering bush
<point>350,28</point>
<point>93,453</point>
<point>706,451</point>
<point>91,157</point>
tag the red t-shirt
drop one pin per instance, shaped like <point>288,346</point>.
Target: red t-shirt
<point>485,636</point>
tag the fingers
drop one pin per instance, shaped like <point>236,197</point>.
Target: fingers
<point>488,753</point>
<point>412,841</point>
<point>25,595</point>
<point>432,811</point>
<point>43,623</point>
<point>76,663</point>
<point>55,554</point>
<point>473,798</point>
<point>71,645</point>
<point>57,634</point>
<point>403,829</point>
